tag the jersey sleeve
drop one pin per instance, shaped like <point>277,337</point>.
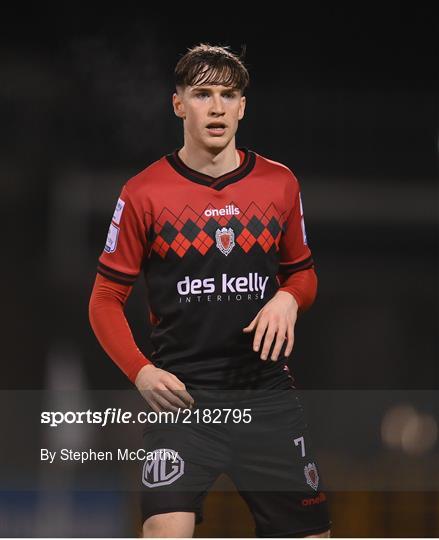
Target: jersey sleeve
<point>295,255</point>
<point>107,318</point>
<point>126,244</point>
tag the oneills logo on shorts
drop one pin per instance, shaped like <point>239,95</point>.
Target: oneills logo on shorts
<point>225,240</point>
<point>321,497</point>
<point>311,475</point>
<point>165,467</point>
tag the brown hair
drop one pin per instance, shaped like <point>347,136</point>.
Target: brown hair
<point>211,64</point>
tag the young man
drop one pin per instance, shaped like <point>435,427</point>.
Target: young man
<point>219,233</point>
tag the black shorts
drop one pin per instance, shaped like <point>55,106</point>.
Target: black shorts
<point>269,459</point>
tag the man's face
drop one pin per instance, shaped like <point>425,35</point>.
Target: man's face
<point>203,107</point>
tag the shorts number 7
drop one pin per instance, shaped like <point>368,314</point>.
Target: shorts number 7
<point>301,441</point>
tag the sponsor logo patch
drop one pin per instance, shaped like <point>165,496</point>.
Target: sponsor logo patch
<point>118,211</point>
<point>113,235</point>
<point>164,468</point>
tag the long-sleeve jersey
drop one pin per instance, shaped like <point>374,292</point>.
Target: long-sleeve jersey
<point>213,251</point>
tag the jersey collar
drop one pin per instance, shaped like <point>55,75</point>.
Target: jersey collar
<point>220,182</point>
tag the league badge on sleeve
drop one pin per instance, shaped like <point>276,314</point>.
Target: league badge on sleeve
<point>302,221</point>
<point>118,211</point>
<point>113,234</point>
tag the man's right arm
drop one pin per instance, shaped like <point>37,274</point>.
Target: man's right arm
<point>161,389</point>
<point>107,318</point>
<point>118,268</point>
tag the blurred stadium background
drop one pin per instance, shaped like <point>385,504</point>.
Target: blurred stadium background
<point>347,98</point>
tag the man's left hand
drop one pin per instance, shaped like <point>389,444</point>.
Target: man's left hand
<point>276,320</point>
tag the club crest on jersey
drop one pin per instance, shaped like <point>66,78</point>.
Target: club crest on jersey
<point>311,475</point>
<point>225,240</point>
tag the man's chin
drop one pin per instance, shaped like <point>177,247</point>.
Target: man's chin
<point>217,144</point>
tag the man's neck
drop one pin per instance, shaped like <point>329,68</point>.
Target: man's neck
<point>206,162</point>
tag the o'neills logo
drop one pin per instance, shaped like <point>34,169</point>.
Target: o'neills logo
<point>321,497</point>
<point>229,210</point>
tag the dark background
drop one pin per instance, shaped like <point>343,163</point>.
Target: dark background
<point>346,96</point>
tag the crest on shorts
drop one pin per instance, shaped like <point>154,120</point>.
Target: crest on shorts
<point>311,475</point>
<point>225,240</point>
<point>164,468</point>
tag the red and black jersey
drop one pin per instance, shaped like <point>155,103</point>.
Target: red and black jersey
<point>212,251</point>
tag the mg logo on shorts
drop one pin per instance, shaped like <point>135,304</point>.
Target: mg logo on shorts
<point>162,467</point>
<point>311,475</point>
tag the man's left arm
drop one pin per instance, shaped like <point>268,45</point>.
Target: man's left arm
<point>297,287</point>
<point>296,273</point>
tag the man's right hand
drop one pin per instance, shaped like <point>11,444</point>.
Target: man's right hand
<point>162,390</point>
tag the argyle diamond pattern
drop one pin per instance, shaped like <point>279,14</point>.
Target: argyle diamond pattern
<point>178,233</point>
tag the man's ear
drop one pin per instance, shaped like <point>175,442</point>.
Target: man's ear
<point>241,108</point>
<point>178,106</point>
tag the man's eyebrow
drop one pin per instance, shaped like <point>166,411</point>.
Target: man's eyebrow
<point>201,87</point>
